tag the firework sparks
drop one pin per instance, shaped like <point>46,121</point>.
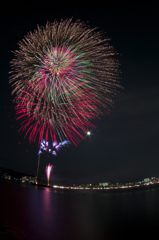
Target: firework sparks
<point>48,172</point>
<point>63,76</point>
<point>52,148</point>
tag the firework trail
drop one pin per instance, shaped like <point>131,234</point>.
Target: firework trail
<point>63,76</point>
<point>48,172</point>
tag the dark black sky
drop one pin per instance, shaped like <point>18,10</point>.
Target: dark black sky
<point>124,147</point>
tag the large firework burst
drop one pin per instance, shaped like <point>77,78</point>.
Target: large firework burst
<point>63,76</point>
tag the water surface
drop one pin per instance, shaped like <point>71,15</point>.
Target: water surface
<point>42,213</point>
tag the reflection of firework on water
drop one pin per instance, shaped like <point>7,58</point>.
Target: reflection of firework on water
<point>48,171</point>
<point>52,148</point>
<point>63,76</point>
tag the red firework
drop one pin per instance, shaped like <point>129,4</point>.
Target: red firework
<point>63,76</point>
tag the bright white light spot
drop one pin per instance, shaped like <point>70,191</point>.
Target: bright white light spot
<point>88,133</point>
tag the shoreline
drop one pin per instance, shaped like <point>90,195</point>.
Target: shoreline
<point>102,190</point>
<point>141,187</point>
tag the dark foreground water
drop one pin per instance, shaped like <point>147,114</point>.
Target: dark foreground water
<point>41,213</point>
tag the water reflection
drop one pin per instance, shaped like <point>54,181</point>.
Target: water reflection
<point>48,205</point>
<point>43,213</point>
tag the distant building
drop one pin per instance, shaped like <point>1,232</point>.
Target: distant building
<point>153,179</point>
<point>28,179</point>
<point>147,180</point>
<point>6,176</point>
<point>118,185</point>
<point>105,184</point>
<point>140,182</point>
<point>89,185</point>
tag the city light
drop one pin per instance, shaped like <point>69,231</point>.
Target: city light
<point>26,179</point>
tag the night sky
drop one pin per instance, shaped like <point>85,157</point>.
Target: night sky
<point>124,146</point>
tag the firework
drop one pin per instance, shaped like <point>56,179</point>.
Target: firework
<point>48,171</point>
<point>52,148</point>
<point>63,76</point>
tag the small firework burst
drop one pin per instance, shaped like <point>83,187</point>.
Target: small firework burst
<point>48,172</point>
